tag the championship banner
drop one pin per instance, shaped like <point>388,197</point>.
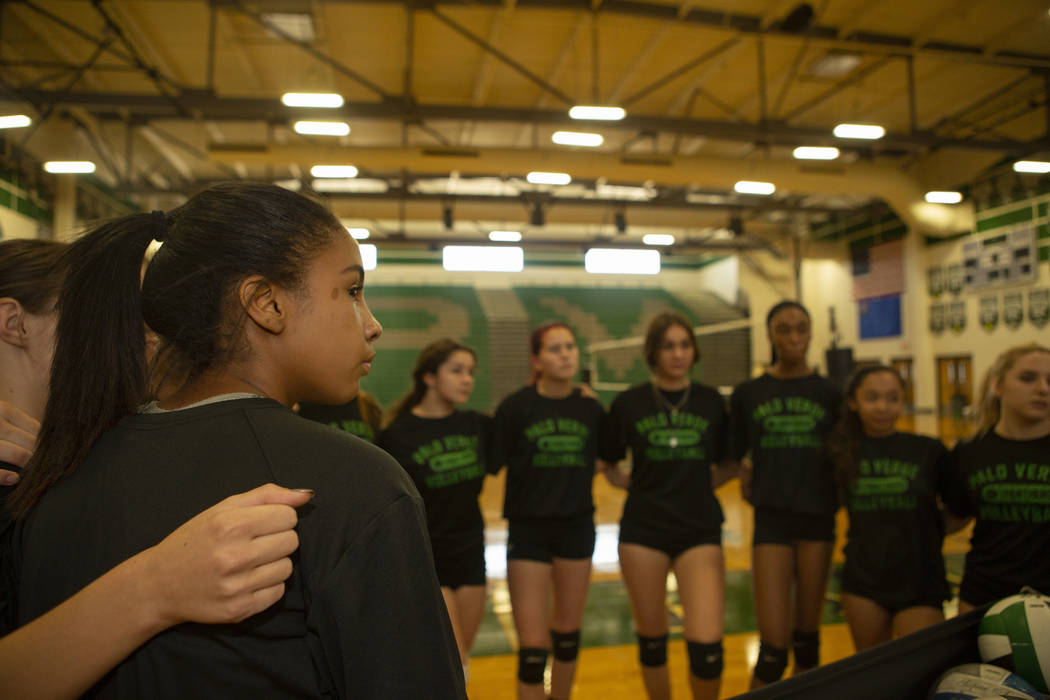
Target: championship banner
<point>935,281</point>
<point>957,316</point>
<point>989,315</point>
<point>1039,306</point>
<point>955,278</point>
<point>937,318</point>
<point>1013,310</point>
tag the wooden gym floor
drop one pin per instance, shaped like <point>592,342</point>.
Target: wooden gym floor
<point>608,665</point>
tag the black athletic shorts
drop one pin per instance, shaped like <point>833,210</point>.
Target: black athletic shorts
<point>460,560</point>
<point>671,544</point>
<point>774,526</point>
<point>549,538</point>
<point>977,588</point>
<point>891,603</point>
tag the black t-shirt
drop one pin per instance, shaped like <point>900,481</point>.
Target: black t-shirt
<point>783,423</point>
<point>895,527</point>
<point>362,604</point>
<point>447,459</point>
<point>346,417</point>
<point>549,447</point>
<point>1006,485</point>
<point>671,455</point>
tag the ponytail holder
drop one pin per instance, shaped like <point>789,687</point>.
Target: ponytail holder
<point>159,225</point>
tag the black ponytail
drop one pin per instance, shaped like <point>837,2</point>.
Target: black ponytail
<point>215,240</point>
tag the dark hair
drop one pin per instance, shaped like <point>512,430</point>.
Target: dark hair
<point>31,272</point>
<point>429,361</point>
<point>211,243</point>
<point>536,342</point>
<point>658,327</point>
<point>844,438</point>
<point>777,308</point>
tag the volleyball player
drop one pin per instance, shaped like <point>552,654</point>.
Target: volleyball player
<point>781,419</point>
<point>223,565</point>
<point>257,295</point>
<point>445,451</point>
<point>893,582</point>
<point>673,428</point>
<point>547,435</point>
<point>1002,478</point>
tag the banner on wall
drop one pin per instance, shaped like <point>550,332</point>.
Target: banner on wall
<point>880,318</point>
<point>989,315</point>
<point>955,278</point>
<point>937,318</point>
<point>1013,310</point>
<point>957,316</point>
<point>1039,306</point>
<point>935,281</point>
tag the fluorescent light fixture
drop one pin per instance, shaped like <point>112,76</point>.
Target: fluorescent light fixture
<point>359,233</point>
<point>352,185</point>
<point>333,171</point>
<point>816,153</point>
<point>859,131</point>
<point>482,258</point>
<point>325,100</point>
<point>754,187</point>
<point>577,138</point>
<point>297,25</point>
<point>541,178</point>
<point>658,239</point>
<point>606,114</point>
<point>1032,166</point>
<point>368,255</point>
<point>69,166</point>
<point>505,236</point>
<point>622,261</point>
<point>834,64</point>
<point>943,197</point>
<point>322,128</point>
<point>14,121</point>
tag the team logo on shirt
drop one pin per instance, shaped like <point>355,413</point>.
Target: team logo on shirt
<point>355,427</point>
<point>559,442</point>
<point>1017,493</point>
<point>672,436</point>
<point>789,422</point>
<point>451,460</point>
<point>883,484</point>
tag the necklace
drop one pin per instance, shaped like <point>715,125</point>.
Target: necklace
<point>672,408</point>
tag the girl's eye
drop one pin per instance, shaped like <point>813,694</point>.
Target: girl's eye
<point>354,292</point>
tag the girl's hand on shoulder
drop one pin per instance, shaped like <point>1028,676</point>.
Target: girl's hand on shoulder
<point>586,390</point>
<point>229,562</point>
<point>746,473</point>
<point>18,431</point>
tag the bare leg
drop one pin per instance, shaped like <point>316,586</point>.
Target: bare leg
<point>571,580</point>
<point>453,615</point>
<point>965,607</point>
<point>773,574</point>
<point>813,564</point>
<point>645,576</point>
<point>916,618</point>
<point>870,624</point>
<point>701,588</point>
<point>528,582</point>
<point>470,605</point>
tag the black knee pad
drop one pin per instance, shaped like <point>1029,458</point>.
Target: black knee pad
<point>806,647</point>
<point>705,660</point>
<point>772,661</point>
<point>532,662</point>
<point>652,651</point>
<point>566,645</point>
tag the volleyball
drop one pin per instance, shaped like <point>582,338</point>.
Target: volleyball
<point>1015,634</point>
<point>981,681</point>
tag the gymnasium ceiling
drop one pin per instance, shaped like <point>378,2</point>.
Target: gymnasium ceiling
<point>450,104</point>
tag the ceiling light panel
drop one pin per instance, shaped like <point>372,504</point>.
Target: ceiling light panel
<point>1032,166</point>
<point>658,239</point>
<point>369,255</point>
<point>358,233</point>
<point>943,197</point>
<point>859,131</point>
<point>14,121</point>
<point>622,261</point>
<point>482,258</point>
<point>322,128</point>
<point>324,100</point>
<point>597,112</point>
<point>333,171</point>
<point>816,153</point>
<point>754,187</point>
<point>577,138</point>
<point>69,166</point>
<point>350,185</point>
<point>537,177</point>
<point>505,236</point>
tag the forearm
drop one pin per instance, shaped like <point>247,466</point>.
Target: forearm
<point>90,634</point>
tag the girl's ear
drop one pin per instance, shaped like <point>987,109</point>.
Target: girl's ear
<point>852,403</point>
<point>265,303</point>
<point>429,379</point>
<point>12,322</point>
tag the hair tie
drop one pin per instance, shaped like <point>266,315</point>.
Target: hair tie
<point>160,225</point>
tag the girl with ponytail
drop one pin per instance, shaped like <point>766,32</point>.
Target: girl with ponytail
<point>446,452</point>
<point>257,296</point>
<point>547,435</point>
<point>893,581</point>
<point>1001,476</point>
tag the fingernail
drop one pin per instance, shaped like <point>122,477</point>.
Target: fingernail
<point>10,479</point>
<point>309,491</point>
